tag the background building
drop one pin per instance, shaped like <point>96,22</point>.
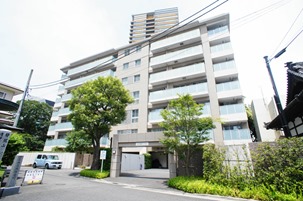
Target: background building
<point>145,25</point>
<point>197,59</point>
<point>7,92</point>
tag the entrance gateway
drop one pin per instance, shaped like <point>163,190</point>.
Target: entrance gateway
<point>137,140</point>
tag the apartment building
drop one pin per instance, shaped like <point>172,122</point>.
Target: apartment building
<point>196,59</point>
<point>145,25</point>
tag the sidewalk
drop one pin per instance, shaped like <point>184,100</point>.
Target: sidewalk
<point>149,178</point>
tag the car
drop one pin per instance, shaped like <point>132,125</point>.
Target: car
<point>47,161</point>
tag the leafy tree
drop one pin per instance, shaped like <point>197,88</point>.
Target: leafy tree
<point>35,120</point>
<point>78,141</point>
<point>184,128</point>
<point>251,124</point>
<point>96,106</point>
<point>15,144</point>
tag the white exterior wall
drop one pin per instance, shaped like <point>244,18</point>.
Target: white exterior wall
<point>261,113</point>
<point>68,159</point>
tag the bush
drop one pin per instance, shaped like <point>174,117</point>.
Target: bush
<point>147,161</point>
<point>280,165</point>
<point>97,174</point>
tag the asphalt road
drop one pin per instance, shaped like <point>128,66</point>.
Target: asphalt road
<point>147,185</point>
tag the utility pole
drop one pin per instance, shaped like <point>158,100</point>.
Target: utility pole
<point>22,100</point>
<point>277,99</point>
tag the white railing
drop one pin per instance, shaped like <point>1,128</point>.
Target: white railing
<point>226,86</point>
<point>237,134</point>
<point>221,47</point>
<point>224,65</point>
<point>232,109</point>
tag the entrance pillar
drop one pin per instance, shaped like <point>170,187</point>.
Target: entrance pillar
<point>172,165</point>
<point>115,168</point>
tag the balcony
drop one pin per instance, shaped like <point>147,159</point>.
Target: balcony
<point>237,134</point>
<point>56,142</point>
<point>175,75</point>
<point>58,103</point>
<point>221,50</point>
<point>171,58</point>
<point>66,126</point>
<point>64,112</point>
<point>154,116</point>
<point>61,90</point>
<point>51,130</point>
<point>225,70</point>
<point>229,90</point>
<point>91,65</point>
<point>78,82</point>
<point>55,116</point>
<point>165,95</point>
<point>219,32</point>
<point>66,97</point>
<point>176,41</point>
<point>233,113</point>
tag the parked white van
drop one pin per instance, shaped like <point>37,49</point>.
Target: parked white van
<point>47,161</point>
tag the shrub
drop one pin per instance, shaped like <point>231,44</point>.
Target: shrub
<point>147,161</point>
<point>97,174</point>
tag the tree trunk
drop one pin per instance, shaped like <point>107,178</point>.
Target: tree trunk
<point>187,163</point>
<point>96,156</point>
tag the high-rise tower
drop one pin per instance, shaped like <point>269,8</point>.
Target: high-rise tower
<point>145,25</point>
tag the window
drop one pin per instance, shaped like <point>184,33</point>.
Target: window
<point>136,78</point>
<point>125,66</point>
<point>2,95</point>
<point>135,115</point>
<point>126,52</point>
<point>136,95</point>
<point>138,62</point>
<point>138,48</point>
<point>124,80</point>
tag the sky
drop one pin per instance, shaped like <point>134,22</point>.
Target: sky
<point>46,35</point>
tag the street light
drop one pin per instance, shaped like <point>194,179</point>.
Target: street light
<point>276,96</point>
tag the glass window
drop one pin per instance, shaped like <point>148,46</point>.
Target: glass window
<point>126,52</point>
<point>124,80</point>
<point>136,78</point>
<point>135,115</point>
<point>138,48</point>
<point>125,66</point>
<point>138,63</point>
<point>136,95</point>
<point>2,95</point>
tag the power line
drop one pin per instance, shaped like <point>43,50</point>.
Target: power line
<point>289,30</point>
<point>155,37</point>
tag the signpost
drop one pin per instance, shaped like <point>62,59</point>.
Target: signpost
<point>33,176</point>
<point>102,157</point>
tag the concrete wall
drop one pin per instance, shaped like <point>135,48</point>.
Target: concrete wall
<point>67,158</point>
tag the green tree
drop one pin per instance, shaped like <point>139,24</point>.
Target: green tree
<point>78,141</point>
<point>251,124</point>
<point>15,144</point>
<point>184,129</point>
<point>97,106</point>
<point>35,120</point>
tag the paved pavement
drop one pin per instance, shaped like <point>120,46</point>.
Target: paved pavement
<point>149,178</point>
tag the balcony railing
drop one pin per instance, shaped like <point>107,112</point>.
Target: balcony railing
<point>226,86</point>
<point>56,142</point>
<point>175,39</point>
<point>77,82</point>
<point>90,65</point>
<point>64,112</point>
<point>221,47</point>
<point>218,30</point>
<point>224,65</point>
<point>155,115</point>
<point>195,89</point>
<point>232,109</point>
<point>173,56</point>
<point>177,73</point>
<point>66,97</point>
<point>238,134</point>
<point>64,126</point>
